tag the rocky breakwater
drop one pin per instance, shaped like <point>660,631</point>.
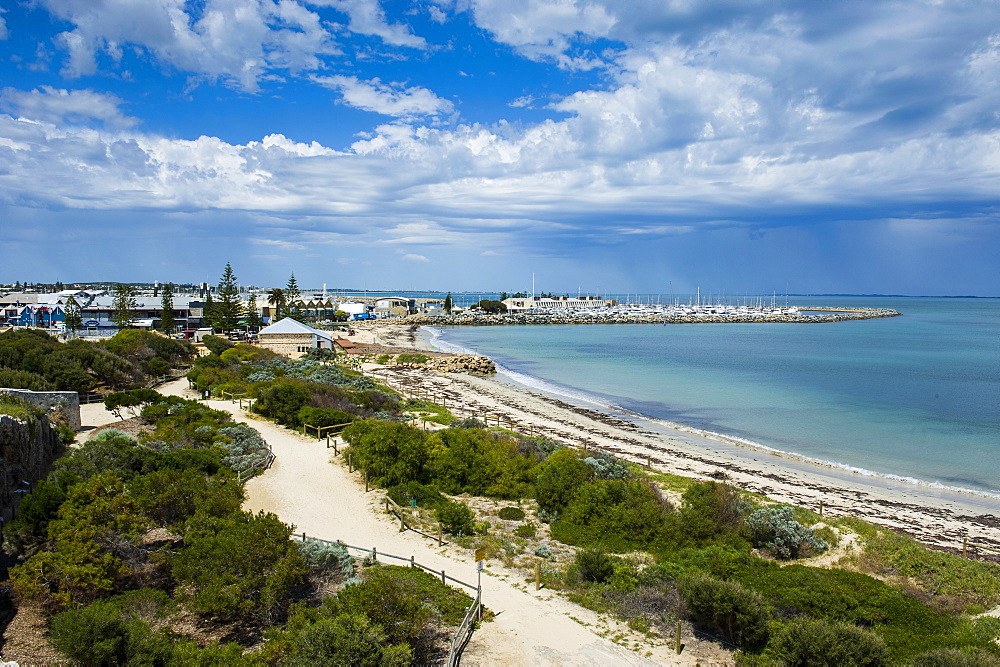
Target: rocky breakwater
<point>473,364</point>
<point>29,444</point>
<point>476,319</point>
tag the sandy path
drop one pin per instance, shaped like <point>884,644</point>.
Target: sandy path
<point>322,499</point>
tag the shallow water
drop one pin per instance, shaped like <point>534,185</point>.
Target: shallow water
<point>916,396</point>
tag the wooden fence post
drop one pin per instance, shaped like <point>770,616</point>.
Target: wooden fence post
<point>366,481</point>
<point>442,577</point>
<point>677,639</point>
<point>538,575</point>
<point>821,507</point>
<point>440,531</point>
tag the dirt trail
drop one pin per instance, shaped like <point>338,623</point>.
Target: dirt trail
<point>323,500</point>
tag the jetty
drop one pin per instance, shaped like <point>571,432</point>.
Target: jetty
<point>658,315</point>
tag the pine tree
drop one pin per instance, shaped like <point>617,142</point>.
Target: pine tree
<point>123,306</point>
<point>251,314</point>
<point>167,308</point>
<point>292,297</point>
<point>229,308</point>
<point>448,304</point>
<point>71,313</point>
<point>208,312</point>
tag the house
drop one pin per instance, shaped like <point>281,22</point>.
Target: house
<point>292,338</point>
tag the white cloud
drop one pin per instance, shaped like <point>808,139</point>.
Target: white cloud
<point>236,41</point>
<point>3,25</point>
<point>367,18</point>
<point>56,105</point>
<point>390,99</point>
<point>415,258</point>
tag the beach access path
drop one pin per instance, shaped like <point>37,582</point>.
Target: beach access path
<point>322,499</point>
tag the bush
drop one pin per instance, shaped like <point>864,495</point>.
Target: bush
<point>822,643</point>
<point>240,566</point>
<point>527,531</point>
<point>217,344</point>
<point>559,480</point>
<point>412,358</point>
<point>101,634</point>
<point>282,402</point>
<point>320,417</point>
<point>327,557</point>
<point>511,513</point>
<point>348,639</point>
<point>456,518</point>
<point>952,657</point>
<point>391,453</point>
<point>594,565</point>
<point>425,495</point>
<point>775,529</point>
<point>726,609</point>
<point>712,511</point>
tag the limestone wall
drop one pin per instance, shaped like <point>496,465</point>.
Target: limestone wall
<point>287,344</point>
<point>27,451</point>
<point>61,406</point>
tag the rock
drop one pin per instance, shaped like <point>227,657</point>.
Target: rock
<point>473,364</point>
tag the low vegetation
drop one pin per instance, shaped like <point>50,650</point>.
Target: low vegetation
<point>31,359</point>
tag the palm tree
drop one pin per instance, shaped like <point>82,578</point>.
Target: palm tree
<point>276,297</point>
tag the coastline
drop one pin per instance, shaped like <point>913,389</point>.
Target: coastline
<point>937,515</point>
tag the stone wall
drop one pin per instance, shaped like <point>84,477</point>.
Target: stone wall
<point>27,451</point>
<point>61,406</point>
<point>286,344</point>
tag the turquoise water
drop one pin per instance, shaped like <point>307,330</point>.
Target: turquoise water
<point>916,396</point>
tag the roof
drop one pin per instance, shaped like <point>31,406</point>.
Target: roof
<point>290,326</point>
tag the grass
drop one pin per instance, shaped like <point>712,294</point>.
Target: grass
<point>429,411</point>
<point>19,409</point>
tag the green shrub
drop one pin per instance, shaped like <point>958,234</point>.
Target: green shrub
<point>241,566</point>
<point>348,639</point>
<point>217,344</point>
<point>511,513</point>
<point>412,358</point>
<point>282,402</point>
<point>383,359</point>
<point>727,610</point>
<point>594,565</point>
<point>559,479</point>
<point>805,642</point>
<point>391,453</point>
<point>527,531</point>
<point>711,511</point>
<point>101,634</point>
<point>952,657</point>
<point>456,518</point>
<point>320,417</point>
<point>425,495</point>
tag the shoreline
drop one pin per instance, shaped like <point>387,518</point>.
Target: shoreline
<point>936,514</point>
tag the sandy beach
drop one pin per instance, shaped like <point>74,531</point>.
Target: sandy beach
<point>939,517</point>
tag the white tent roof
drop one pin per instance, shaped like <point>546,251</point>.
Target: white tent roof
<point>290,326</point>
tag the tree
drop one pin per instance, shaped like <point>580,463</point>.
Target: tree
<point>250,312</point>
<point>228,309</point>
<point>71,313</point>
<point>447,304</point>
<point>278,300</point>
<point>492,307</point>
<point>292,297</point>
<point>123,306</point>
<point>167,309</point>
<point>208,312</point>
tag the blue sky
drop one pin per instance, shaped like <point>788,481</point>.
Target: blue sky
<point>605,145</point>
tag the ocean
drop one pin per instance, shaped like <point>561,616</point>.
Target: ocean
<point>915,397</point>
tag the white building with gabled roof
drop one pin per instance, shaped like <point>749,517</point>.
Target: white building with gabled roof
<point>293,339</point>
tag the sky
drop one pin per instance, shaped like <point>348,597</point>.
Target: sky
<point>600,145</point>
